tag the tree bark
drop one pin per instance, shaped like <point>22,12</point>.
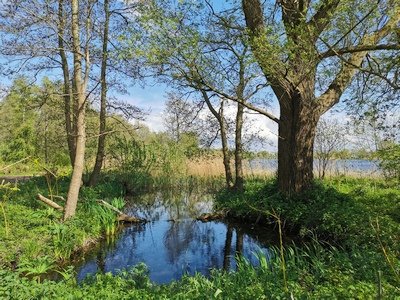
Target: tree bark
<point>103,101</point>
<point>49,202</point>
<point>76,179</point>
<point>66,84</point>
<point>297,130</point>
<point>239,180</point>
<point>225,148</point>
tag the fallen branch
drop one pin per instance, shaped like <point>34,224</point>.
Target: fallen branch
<point>49,202</point>
<point>121,216</point>
<point>58,197</point>
<point>20,161</point>
<point>207,217</point>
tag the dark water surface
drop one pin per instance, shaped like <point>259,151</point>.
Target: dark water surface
<point>173,243</point>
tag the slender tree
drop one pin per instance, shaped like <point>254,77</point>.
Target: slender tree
<point>80,85</point>
<point>68,95</point>
<point>103,99</point>
<point>330,138</point>
<point>213,59</point>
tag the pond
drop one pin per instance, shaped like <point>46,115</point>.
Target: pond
<point>173,243</point>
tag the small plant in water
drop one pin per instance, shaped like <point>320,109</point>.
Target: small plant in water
<point>118,202</point>
<point>107,219</point>
<point>68,274</point>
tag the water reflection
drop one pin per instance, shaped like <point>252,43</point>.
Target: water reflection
<point>173,243</point>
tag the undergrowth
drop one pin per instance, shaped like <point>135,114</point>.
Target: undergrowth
<point>351,229</point>
<point>360,217</point>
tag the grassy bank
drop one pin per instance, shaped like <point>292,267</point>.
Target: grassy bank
<point>359,218</point>
<point>360,261</point>
<point>33,237</point>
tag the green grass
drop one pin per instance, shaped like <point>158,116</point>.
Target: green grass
<point>313,273</point>
<point>34,230</point>
<point>360,217</point>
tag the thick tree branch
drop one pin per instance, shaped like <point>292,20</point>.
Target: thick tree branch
<point>322,17</point>
<point>359,48</point>
<point>351,66</point>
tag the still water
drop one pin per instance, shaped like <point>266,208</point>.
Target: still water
<point>335,166</point>
<point>173,243</point>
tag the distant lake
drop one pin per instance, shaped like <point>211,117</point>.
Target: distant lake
<point>336,166</point>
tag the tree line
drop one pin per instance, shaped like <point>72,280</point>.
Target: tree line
<point>303,56</point>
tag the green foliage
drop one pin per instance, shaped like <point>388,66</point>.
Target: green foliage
<point>389,160</point>
<point>37,230</point>
<point>6,190</point>
<point>35,267</point>
<point>360,216</point>
<point>63,242</point>
<point>314,272</point>
<point>134,161</point>
<point>31,119</point>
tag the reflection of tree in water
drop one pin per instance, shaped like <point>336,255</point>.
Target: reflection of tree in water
<point>239,241</point>
<point>228,252</point>
<point>101,260</point>
<point>227,248</point>
<point>186,245</point>
<point>177,239</point>
<point>193,245</point>
<point>114,256</point>
<point>150,206</point>
<point>186,205</point>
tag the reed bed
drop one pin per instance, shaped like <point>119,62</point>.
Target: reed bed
<point>214,167</point>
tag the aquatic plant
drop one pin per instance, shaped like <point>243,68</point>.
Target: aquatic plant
<point>118,202</point>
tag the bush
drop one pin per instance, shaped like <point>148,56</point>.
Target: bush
<point>389,160</point>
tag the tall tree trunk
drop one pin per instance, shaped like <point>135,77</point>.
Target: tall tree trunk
<point>224,138</point>
<point>239,180</point>
<point>225,148</point>
<point>76,179</point>
<point>67,91</point>
<point>297,130</point>
<point>103,101</point>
